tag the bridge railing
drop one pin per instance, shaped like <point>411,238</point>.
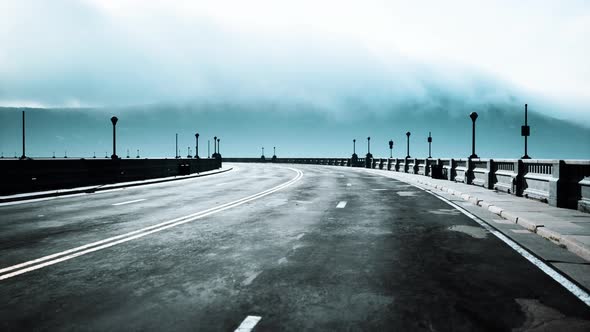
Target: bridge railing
<point>562,183</point>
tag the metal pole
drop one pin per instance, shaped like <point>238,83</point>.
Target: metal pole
<point>408,144</point>
<point>368,144</point>
<point>23,156</point>
<point>354,146</point>
<point>473,117</point>
<point>176,153</point>
<point>526,131</point>
<point>219,146</point>
<point>114,122</point>
<point>197,146</point>
<point>429,145</point>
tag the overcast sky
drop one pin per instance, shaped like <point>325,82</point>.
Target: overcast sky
<point>130,52</point>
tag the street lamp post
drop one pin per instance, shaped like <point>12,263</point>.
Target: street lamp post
<point>526,132</point>
<point>473,116</point>
<point>114,120</point>
<point>354,147</point>
<point>262,156</point>
<point>429,145</point>
<point>390,149</point>
<point>176,151</point>
<point>408,144</point>
<point>197,146</point>
<point>214,147</point>
<point>137,153</point>
<point>208,148</point>
<point>218,147</point>
<point>368,146</point>
<point>24,156</point>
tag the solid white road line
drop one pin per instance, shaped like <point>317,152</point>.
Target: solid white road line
<point>109,242</point>
<point>560,278</point>
<point>341,205</point>
<point>130,202</point>
<point>248,324</point>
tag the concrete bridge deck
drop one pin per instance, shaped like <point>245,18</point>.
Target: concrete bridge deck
<point>302,247</point>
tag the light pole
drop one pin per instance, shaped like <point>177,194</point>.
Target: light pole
<point>24,155</point>
<point>526,132</point>
<point>214,147</point>
<point>429,145</point>
<point>354,147</point>
<point>137,153</point>
<point>368,146</point>
<point>218,147</point>
<point>208,148</point>
<point>197,146</point>
<point>408,144</point>
<point>390,149</point>
<point>473,116</point>
<point>176,154</point>
<point>114,120</point>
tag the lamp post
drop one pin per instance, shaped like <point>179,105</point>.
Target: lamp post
<point>137,153</point>
<point>176,151</point>
<point>354,147</point>
<point>473,116</point>
<point>24,155</point>
<point>208,148</point>
<point>429,145</point>
<point>390,149</point>
<point>214,147</point>
<point>114,120</point>
<point>219,147</point>
<point>408,144</point>
<point>368,146</point>
<point>526,132</point>
<point>262,156</point>
<point>197,146</point>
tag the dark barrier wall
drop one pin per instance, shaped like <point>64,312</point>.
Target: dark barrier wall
<point>19,176</point>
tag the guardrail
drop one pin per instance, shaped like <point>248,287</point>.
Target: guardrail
<point>561,183</point>
<point>20,176</point>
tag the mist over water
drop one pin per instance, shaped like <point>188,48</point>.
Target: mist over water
<point>307,77</point>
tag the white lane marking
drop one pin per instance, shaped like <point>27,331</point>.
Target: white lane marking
<point>282,260</point>
<point>560,278</point>
<point>41,216</point>
<point>34,200</point>
<point>341,205</point>
<point>349,184</point>
<point>521,231</point>
<point>407,193</point>
<point>563,281</point>
<point>130,202</point>
<point>106,243</point>
<point>143,185</point>
<point>248,324</point>
<point>379,189</point>
<point>222,184</point>
<point>300,236</point>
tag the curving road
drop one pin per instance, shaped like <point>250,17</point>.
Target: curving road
<point>268,248</point>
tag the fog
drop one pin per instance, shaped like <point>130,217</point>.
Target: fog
<point>335,57</point>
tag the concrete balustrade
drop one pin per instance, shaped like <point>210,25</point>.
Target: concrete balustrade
<point>561,183</point>
<point>506,176</point>
<point>463,171</point>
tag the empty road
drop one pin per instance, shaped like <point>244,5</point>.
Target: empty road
<point>268,248</point>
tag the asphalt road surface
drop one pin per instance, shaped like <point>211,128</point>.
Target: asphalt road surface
<point>273,248</point>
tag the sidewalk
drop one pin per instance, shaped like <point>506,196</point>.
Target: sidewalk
<point>91,189</point>
<point>565,227</point>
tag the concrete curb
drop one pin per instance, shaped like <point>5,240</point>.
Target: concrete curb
<point>570,243</point>
<point>91,189</point>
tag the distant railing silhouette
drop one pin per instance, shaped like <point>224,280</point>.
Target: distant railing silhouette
<point>561,183</point>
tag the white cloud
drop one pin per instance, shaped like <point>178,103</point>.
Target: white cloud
<point>130,51</point>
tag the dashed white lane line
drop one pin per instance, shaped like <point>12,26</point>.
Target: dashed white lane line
<point>379,189</point>
<point>222,184</point>
<point>248,324</point>
<point>130,202</point>
<point>282,260</point>
<point>521,231</point>
<point>349,184</point>
<point>300,236</point>
<point>341,205</point>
